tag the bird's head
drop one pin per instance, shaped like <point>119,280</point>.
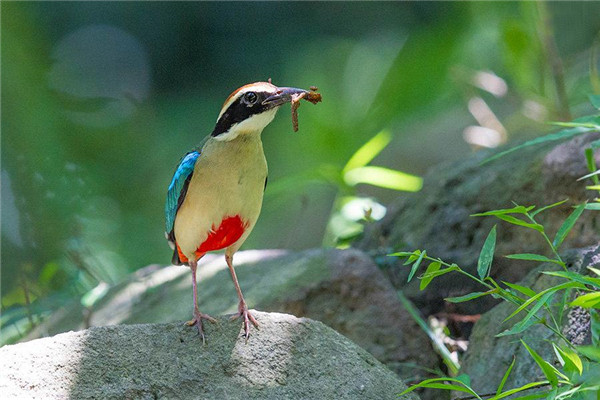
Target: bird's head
<point>250,109</point>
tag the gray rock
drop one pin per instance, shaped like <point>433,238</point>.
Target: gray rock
<point>437,218</point>
<point>342,288</point>
<point>288,358</point>
<point>488,356</point>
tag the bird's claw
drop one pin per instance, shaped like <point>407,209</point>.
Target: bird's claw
<point>197,321</point>
<point>247,318</point>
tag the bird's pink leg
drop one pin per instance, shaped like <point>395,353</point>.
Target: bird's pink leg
<point>242,307</point>
<point>198,316</point>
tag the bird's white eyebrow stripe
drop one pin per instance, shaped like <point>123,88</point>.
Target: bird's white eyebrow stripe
<point>256,87</point>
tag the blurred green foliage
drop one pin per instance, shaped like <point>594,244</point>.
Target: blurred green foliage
<point>100,100</point>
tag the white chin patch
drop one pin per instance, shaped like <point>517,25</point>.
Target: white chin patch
<point>254,124</point>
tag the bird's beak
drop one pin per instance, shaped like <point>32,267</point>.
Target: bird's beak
<point>282,95</point>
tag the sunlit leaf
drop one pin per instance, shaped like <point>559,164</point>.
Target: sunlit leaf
<point>547,369</point>
<point>383,177</point>
<point>566,227</point>
<point>589,175</point>
<point>588,300</point>
<point>368,151</point>
<point>571,360</point>
<point>442,383</point>
<point>487,254</point>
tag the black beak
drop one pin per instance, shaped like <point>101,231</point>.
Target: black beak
<point>281,96</point>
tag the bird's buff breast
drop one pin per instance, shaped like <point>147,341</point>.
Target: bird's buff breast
<point>224,199</point>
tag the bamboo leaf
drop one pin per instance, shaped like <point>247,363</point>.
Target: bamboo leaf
<point>521,289</point>
<point>383,177</point>
<point>571,360</point>
<point>505,377</point>
<point>566,227</point>
<point>502,211</point>
<point>416,265</point>
<point>470,296</point>
<point>533,214</point>
<point>487,254</point>
<point>560,135</point>
<point>368,151</point>
<point>515,221</point>
<point>533,257</point>
<point>432,267</point>
<point>592,206</point>
<point>547,369</point>
<point>591,352</point>
<point>588,300</point>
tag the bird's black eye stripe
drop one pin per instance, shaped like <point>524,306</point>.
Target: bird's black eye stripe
<point>250,98</point>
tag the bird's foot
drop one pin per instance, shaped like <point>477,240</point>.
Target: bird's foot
<point>197,321</point>
<point>247,318</point>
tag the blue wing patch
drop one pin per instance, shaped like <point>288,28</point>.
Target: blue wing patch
<point>178,189</point>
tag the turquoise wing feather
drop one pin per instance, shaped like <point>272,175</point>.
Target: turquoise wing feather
<point>178,189</point>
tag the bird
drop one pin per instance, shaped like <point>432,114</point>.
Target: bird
<point>215,196</point>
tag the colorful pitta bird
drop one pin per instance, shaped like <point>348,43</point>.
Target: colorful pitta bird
<point>216,193</point>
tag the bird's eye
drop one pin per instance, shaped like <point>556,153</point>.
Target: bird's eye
<point>250,98</point>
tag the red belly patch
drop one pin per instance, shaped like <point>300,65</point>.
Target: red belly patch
<point>228,232</point>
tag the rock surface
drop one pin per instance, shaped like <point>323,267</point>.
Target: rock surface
<point>488,356</point>
<point>342,288</point>
<point>438,220</point>
<point>288,358</point>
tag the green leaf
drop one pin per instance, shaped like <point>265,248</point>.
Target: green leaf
<point>416,265</point>
<point>515,221</point>
<point>593,187</point>
<point>514,210</point>
<point>470,296</point>
<point>528,320</point>
<point>521,389</point>
<point>591,163</point>
<point>586,280</point>
<point>591,352</point>
<point>521,289</point>
<point>560,135</point>
<point>588,300</point>
<point>533,257</point>
<point>533,214</point>
<point>440,383</point>
<point>592,206</point>
<point>595,100</point>
<point>432,267</point>
<point>401,254</point>
<point>547,369</point>
<point>368,151</point>
<point>487,254</point>
<point>505,377</point>
<point>542,294</point>
<point>383,177</point>
<point>566,227</point>
<point>571,360</point>
<point>444,271</point>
